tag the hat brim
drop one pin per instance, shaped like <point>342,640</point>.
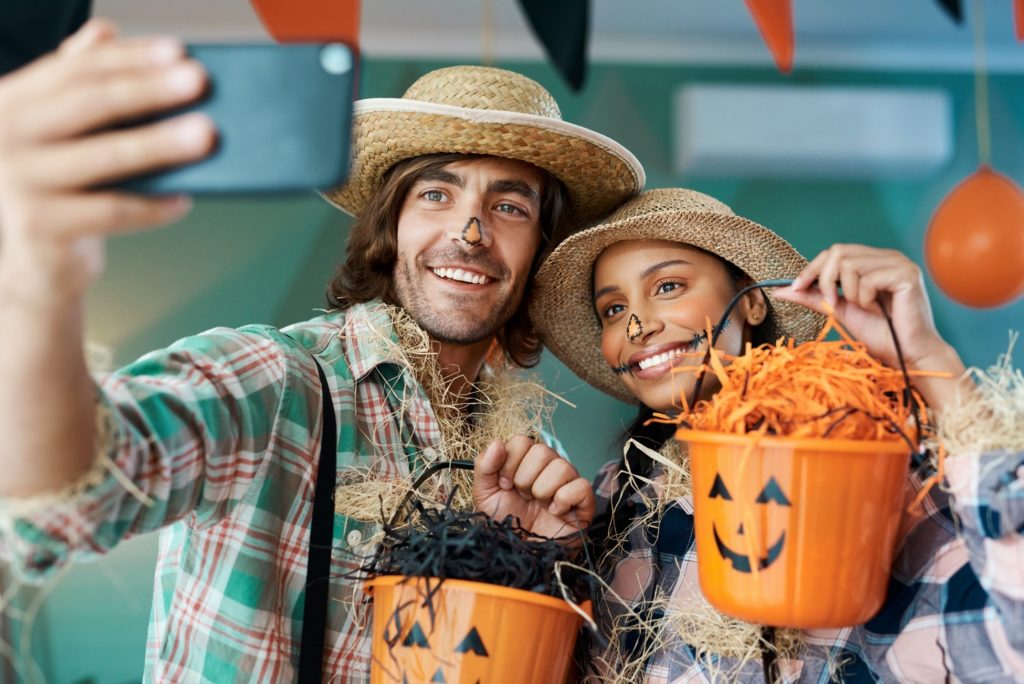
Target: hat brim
<point>562,308</point>
<point>598,172</point>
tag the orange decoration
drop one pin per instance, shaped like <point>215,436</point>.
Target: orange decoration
<point>974,247</point>
<point>458,631</point>
<point>1018,18</point>
<point>798,470</point>
<point>774,19</point>
<point>298,21</point>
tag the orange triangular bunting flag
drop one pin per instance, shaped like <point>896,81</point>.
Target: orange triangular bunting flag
<point>299,21</point>
<point>774,19</point>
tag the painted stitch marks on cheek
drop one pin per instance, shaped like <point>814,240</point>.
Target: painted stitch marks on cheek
<point>689,347</point>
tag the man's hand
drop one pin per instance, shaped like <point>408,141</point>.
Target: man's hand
<point>530,481</point>
<point>59,144</point>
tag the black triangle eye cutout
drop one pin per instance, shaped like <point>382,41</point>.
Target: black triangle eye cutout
<point>416,637</point>
<point>472,644</point>
<point>438,677</point>
<point>718,489</point>
<point>772,492</point>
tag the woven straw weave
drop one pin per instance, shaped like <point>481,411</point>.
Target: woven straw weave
<point>562,307</point>
<point>482,110</point>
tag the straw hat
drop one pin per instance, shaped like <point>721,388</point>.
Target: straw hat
<point>481,110</point>
<point>562,305</point>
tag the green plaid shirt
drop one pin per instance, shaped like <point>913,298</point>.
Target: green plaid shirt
<point>222,432</point>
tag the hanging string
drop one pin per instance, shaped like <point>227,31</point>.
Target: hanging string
<point>487,33</point>
<point>981,120</point>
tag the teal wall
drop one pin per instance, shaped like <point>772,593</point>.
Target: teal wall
<point>234,262</point>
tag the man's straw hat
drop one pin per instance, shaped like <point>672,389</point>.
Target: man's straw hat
<point>562,304</point>
<point>481,110</point>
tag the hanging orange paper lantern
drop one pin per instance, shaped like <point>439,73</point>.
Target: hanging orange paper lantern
<point>774,19</point>
<point>974,247</point>
<point>291,21</point>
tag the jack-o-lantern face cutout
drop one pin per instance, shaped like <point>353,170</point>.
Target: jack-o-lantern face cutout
<point>416,638</point>
<point>741,562</point>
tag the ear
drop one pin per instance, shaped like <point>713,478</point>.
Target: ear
<point>754,307</point>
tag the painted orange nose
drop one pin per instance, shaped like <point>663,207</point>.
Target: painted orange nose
<point>473,233</point>
<point>634,328</point>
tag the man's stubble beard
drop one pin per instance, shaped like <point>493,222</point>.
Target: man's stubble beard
<point>455,327</point>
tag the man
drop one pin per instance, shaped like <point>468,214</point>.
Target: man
<point>216,439</point>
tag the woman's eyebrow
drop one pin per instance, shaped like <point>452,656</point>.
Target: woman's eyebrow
<point>605,290</point>
<point>657,267</point>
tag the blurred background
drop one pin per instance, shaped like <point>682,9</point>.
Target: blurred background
<point>860,142</point>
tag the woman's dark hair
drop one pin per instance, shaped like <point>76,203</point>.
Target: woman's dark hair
<point>368,270</point>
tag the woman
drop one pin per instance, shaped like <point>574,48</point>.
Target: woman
<point>621,304</point>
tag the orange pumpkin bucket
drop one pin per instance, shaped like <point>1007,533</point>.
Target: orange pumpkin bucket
<point>795,532</point>
<point>462,632</point>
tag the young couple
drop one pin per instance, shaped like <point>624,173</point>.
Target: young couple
<point>459,189</point>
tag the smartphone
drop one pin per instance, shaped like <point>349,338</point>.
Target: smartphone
<point>283,115</point>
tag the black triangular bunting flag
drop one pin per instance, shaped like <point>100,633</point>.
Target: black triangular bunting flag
<point>718,489</point>
<point>472,643</point>
<point>563,28</point>
<point>953,10</point>
<point>416,637</point>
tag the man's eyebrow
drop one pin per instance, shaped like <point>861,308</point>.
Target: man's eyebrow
<point>517,186</point>
<point>605,290</point>
<point>441,176</point>
<point>657,267</point>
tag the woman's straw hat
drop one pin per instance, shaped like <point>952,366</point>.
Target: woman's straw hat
<point>482,110</point>
<point>562,305</point>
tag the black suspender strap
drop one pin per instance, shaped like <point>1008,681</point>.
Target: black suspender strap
<point>321,536</point>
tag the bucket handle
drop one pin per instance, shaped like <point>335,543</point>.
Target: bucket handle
<point>908,395</point>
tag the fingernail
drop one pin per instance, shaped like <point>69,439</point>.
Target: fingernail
<point>553,508</point>
<point>165,50</point>
<point>194,131</point>
<point>184,78</point>
<point>504,483</point>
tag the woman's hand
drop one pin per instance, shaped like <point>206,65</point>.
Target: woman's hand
<point>530,481</point>
<point>871,277</point>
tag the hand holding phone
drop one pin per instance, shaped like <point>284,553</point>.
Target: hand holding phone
<point>283,115</point>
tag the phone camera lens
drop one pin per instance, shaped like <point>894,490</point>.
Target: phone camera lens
<point>335,59</point>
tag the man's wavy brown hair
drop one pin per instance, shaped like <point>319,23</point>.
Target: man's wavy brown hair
<point>368,270</point>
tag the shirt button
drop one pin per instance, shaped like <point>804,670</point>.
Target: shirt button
<point>354,538</point>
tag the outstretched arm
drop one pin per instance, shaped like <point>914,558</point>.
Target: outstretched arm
<point>57,146</point>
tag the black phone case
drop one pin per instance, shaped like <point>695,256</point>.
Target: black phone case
<point>283,114</point>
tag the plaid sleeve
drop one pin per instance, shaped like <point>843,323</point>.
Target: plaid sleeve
<point>988,491</point>
<point>188,427</point>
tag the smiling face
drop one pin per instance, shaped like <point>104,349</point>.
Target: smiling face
<point>460,279</point>
<point>653,298</point>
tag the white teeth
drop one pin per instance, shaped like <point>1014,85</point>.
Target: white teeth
<point>652,361</point>
<point>461,276</point>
